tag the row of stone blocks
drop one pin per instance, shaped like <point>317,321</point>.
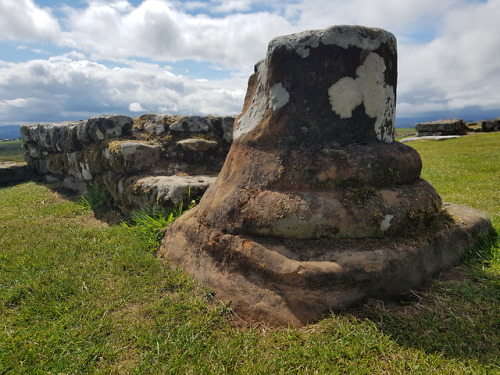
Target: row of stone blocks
<point>153,160</point>
<point>454,127</point>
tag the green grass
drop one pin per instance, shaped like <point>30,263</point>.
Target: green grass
<point>12,151</point>
<point>404,132</point>
<point>465,170</point>
<point>78,296</point>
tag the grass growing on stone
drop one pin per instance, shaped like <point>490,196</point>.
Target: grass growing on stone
<point>12,151</point>
<point>78,296</point>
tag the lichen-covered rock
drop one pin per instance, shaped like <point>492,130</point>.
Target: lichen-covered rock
<point>132,156</point>
<point>192,124</point>
<point>441,127</point>
<point>164,191</point>
<point>104,127</point>
<point>313,206</point>
<point>110,151</point>
<point>53,137</point>
<point>204,124</point>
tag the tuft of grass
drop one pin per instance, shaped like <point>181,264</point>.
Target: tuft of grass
<point>151,223</point>
<point>486,252</point>
<point>97,199</point>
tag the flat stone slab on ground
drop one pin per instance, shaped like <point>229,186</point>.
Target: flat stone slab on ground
<point>429,137</point>
<point>441,127</point>
<point>14,172</point>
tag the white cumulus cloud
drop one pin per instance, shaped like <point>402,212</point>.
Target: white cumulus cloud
<point>124,55</point>
<point>24,20</point>
<point>63,88</point>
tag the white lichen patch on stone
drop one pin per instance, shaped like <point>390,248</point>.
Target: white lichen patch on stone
<point>128,149</point>
<point>107,154</point>
<point>342,36</point>
<point>279,96</point>
<point>346,37</point>
<point>345,95</point>
<point>255,113</point>
<point>86,174</point>
<point>386,223</point>
<point>99,134</point>
<point>304,47</point>
<point>368,88</point>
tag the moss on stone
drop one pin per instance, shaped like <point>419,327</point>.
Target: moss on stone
<point>58,163</point>
<point>359,196</point>
<point>114,147</point>
<point>138,123</point>
<point>334,154</point>
<point>427,218</point>
<point>352,182</point>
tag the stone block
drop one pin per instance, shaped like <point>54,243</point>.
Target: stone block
<point>490,125</point>
<point>441,127</point>
<point>14,173</point>
<point>196,144</point>
<point>158,191</point>
<point>132,156</point>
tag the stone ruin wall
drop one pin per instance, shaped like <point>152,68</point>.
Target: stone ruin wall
<point>150,161</point>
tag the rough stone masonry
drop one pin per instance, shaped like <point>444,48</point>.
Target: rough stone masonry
<point>316,206</point>
<point>156,160</point>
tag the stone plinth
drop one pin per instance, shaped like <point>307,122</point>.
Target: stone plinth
<point>316,207</point>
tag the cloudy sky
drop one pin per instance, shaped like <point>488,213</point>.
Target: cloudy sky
<point>69,60</point>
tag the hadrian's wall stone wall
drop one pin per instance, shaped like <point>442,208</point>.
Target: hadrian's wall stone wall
<point>153,160</point>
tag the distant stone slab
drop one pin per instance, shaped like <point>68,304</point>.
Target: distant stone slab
<point>490,125</point>
<point>14,172</point>
<point>429,137</point>
<point>441,127</point>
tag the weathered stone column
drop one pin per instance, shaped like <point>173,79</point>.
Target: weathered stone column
<point>316,206</point>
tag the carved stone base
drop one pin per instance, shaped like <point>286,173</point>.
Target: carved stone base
<point>298,281</point>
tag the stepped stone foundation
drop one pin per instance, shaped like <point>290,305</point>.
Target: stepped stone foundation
<point>154,160</point>
<point>316,206</point>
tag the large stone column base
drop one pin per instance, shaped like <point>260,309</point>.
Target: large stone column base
<point>296,282</point>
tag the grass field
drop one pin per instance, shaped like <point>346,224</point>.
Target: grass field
<point>12,151</point>
<point>79,296</point>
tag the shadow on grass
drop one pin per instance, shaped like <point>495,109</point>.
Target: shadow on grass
<point>457,315</point>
